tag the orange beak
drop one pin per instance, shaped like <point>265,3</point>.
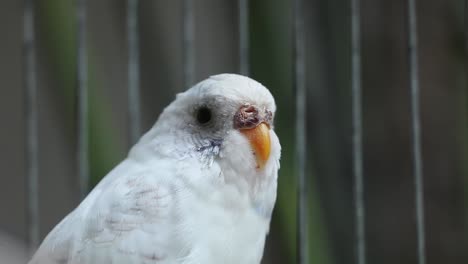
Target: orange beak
<point>259,138</point>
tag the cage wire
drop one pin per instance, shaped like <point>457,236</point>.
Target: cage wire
<point>416,129</point>
<point>134,112</point>
<point>300,90</point>
<point>31,127</point>
<point>244,68</point>
<point>134,108</point>
<point>357,136</point>
<point>188,43</point>
<point>82,111</point>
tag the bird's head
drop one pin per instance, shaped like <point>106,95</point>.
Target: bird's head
<point>226,119</point>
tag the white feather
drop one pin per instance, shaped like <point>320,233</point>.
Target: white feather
<point>164,204</point>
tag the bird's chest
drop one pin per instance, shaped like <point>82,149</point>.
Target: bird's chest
<point>224,229</point>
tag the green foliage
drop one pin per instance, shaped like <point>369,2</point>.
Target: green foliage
<point>57,26</point>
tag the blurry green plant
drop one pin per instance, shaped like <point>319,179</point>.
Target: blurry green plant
<point>58,28</point>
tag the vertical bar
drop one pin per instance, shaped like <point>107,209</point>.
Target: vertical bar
<point>299,69</point>
<point>465,31</point>
<point>133,71</point>
<point>188,43</point>
<point>416,129</point>
<point>82,100</point>
<point>357,132</point>
<point>31,116</point>
<point>244,37</point>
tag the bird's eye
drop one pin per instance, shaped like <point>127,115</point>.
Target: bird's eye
<point>203,115</point>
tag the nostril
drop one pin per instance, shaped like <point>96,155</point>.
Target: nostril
<point>249,109</point>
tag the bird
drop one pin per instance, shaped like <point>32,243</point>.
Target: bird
<point>198,187</point>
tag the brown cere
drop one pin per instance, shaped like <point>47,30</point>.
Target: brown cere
<point>247,117</point>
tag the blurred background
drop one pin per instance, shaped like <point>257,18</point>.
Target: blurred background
<point>388,167</point>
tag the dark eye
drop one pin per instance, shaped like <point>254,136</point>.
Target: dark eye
<point>203,115</point>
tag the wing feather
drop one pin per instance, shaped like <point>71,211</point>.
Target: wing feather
<point>120,221</point>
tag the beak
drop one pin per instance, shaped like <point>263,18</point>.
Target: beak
<point>259,138</point>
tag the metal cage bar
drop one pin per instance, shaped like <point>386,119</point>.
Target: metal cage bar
<point>300,89</point>
<point>465,32</point>
<point>357,147</point>
<point>416,129</point>
<point>244,68</point>
<point>134,110</point>
<point>31,126</point>
<point>82,100</point>
<point>188,43</point>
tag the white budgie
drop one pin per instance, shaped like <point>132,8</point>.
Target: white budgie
<point>198,187</point>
